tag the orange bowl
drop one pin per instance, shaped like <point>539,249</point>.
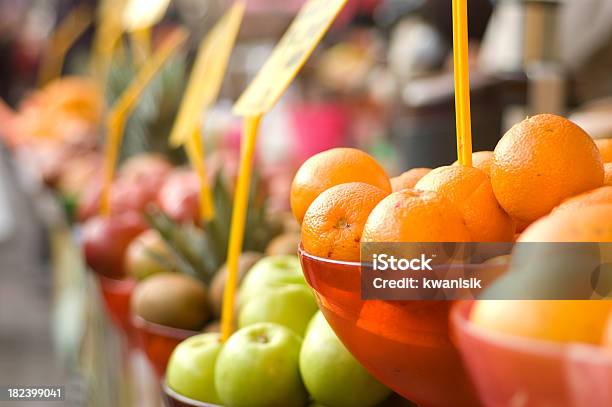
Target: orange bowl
<point>509,370</point>
<point>158,341</point>
<point>174,399</point>
<point>116,295</point>
<point>404,344</point>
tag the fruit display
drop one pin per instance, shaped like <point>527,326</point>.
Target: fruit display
<point>268,364</point>
<point>522,191</point>
<point>231,229</point>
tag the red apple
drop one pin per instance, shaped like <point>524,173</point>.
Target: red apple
<point>145,166</point>
<point>105,241</point>
<point>179,196</point>
<point>138,181</point>
<point>130,193</point>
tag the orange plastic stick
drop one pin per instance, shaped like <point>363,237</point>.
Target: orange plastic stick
<point>462,82</point>
<point>251,125</point>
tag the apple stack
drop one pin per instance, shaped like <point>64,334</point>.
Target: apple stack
<point>283,354</point>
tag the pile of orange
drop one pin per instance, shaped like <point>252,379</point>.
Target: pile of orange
<point>343,196</point>
<point>547,180</point>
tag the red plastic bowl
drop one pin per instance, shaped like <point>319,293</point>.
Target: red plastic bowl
<point>404,344</point>
<point>116,295</point>
<point>509,370</point>
<point>173,399</point>
<point>158,341</point>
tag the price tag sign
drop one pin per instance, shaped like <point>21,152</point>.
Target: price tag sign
<point>288,57</point>
<point>207,76</point>
<point>201,93</point>
<point>143,14</point>
<point>306,31</point>
<point>126,103</point>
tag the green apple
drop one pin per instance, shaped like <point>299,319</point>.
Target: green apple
<point>191,368</point>
<point>331,374</point>
<point>292,305</point>
<point>258,367</point>
<point>270,272</point>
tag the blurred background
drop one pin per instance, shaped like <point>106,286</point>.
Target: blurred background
<point>381,80</point>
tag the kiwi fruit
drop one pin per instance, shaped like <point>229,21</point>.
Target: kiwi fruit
<point>148,254</point>
<point>172,299</point>
<point>212,326</point>
<point>217,285</point>
<point>287,243</point>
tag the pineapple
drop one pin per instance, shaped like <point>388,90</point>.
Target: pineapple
<point>202,249</point>
<point>149,125</point>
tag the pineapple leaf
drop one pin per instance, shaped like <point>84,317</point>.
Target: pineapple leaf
<point>203,250</point>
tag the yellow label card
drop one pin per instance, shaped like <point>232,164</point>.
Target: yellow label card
<point>207,75</point>
<point>289,56</point>
<point>125,104</point>
<point>141,14</point>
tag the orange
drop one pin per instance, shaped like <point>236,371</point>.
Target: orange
<point>558,321</point>
<point>469,190</point>
<point>333,223</point>
<point>481,160</point>
<point>415,216</point>
<point>608,174</point>
<point>542,161</point>
<point>408,179</point>
<point>605,148</point>
<point>597,196</point>
<point>607,339</point>
<point>521,226</point>
<point>580,224</point>
<point>332,167</point>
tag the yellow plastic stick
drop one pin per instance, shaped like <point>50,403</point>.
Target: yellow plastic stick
<point>107,37</point>
<point>68,31</point>
<point>297,44</point>
<point>462,82</point>
<point>241,198</point>
<point>207,74</point>
<point>124,106</point>
<point>294,48</point>
<point>202,92</point>
<point>141,45</point>
<point>195,152</point>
